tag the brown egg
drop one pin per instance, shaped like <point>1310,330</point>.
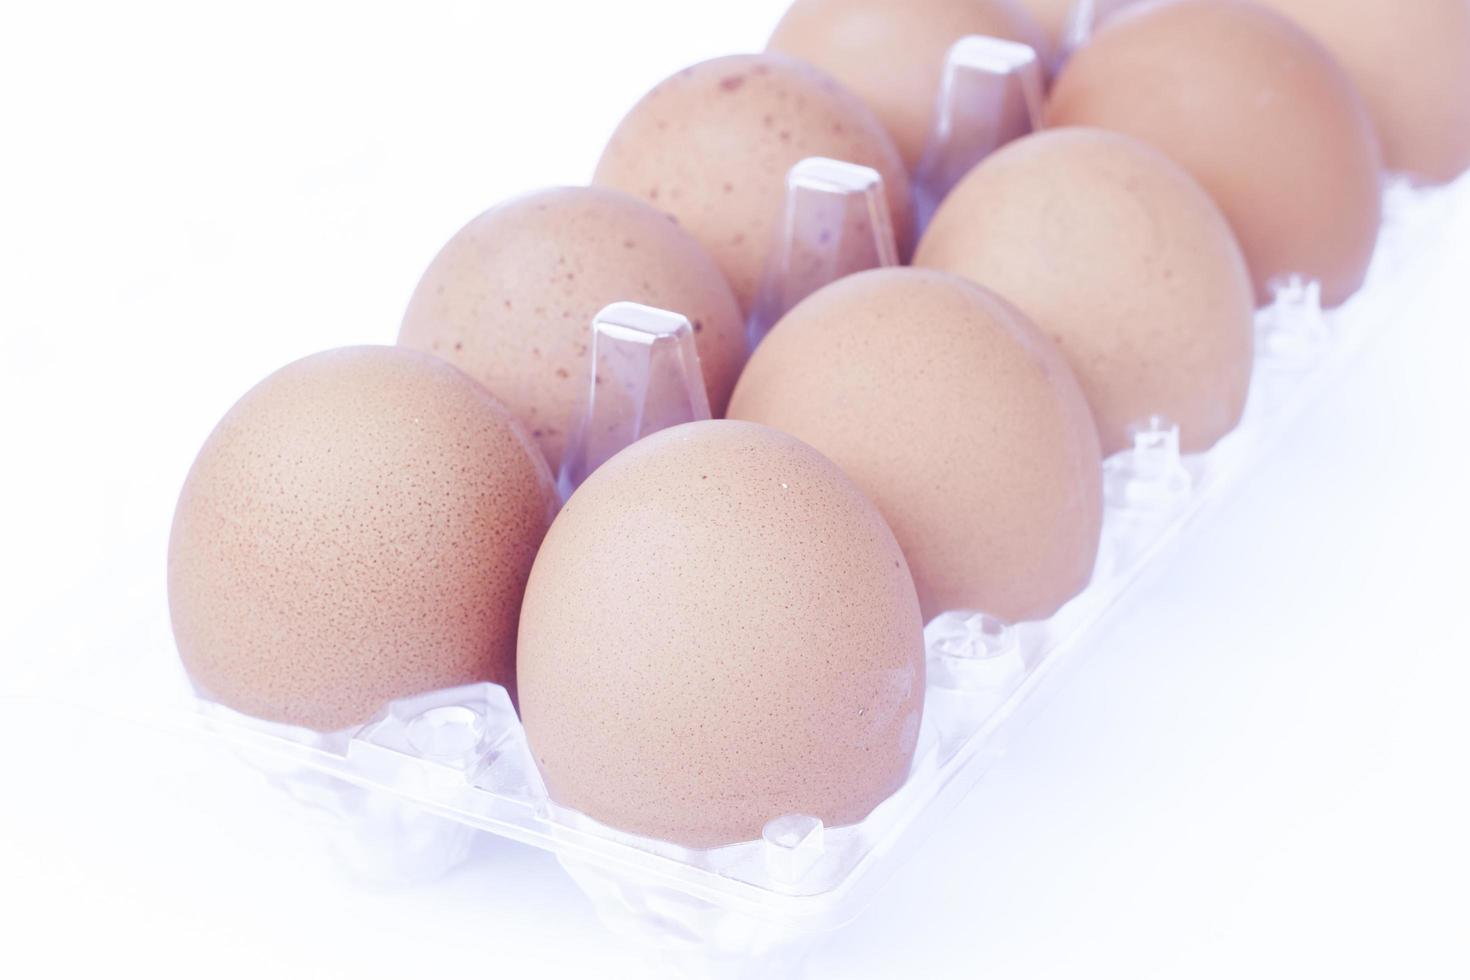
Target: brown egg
<point>511,297</point>
<point>359,527</point>
<point>958,418</point>
<point>1124,261</point>
<point>712,145</point>
<point>892,55</point>
<point>1261,116</point>
<point>1411,62</point>
<point>720,630</point>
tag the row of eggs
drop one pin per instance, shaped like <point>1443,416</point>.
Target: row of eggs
<point>724,622</point>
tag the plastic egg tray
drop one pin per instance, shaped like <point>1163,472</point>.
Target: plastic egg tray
<point>405,793</point>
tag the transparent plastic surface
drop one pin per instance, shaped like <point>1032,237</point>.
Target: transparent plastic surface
<point>644,377</point>
<point>1083,20</point>
<point>991,93</point>
<point>1150,474</point>
<point>836,223</point>
<point>1294,331</point>
<point>403,793</point>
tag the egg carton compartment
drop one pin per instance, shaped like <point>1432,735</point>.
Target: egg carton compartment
<point>836,222</point>
<point>991,92</point>
<point>404,794</point>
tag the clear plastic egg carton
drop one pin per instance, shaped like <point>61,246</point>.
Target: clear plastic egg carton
<point>404,795</point>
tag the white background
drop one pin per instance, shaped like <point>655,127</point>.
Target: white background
<point>1259,770</point>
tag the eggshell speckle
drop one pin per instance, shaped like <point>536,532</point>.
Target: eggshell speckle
<point>511,298</point>
<point>1411,62</point>
<point>958,418</point>
<point>1124,261</point>
<point>712,146</point>
<point>1259,114</point>
<point>359,527</point>
<point>720,630</point>
<point>892,54</point>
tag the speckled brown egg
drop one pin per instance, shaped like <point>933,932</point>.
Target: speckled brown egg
<point>1124,261</point>
<point>511,297</point>
<point>359,527</point>
<point>720,630</point>
<point>712,146</point>
<point>892,54</point>
<point>1259,114</point>
<point>1411,61</point>
<point>958,418</point>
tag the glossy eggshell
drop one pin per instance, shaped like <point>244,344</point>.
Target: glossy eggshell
<point>1258,112</point>
<point>892,54</point>
<point>1124,261</point>
<point>1411,62</point>
<point>720,630</point>
<point>712,145</point>
<point>958,418</point>
<point>511,298</point>
<point>359,527</point>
